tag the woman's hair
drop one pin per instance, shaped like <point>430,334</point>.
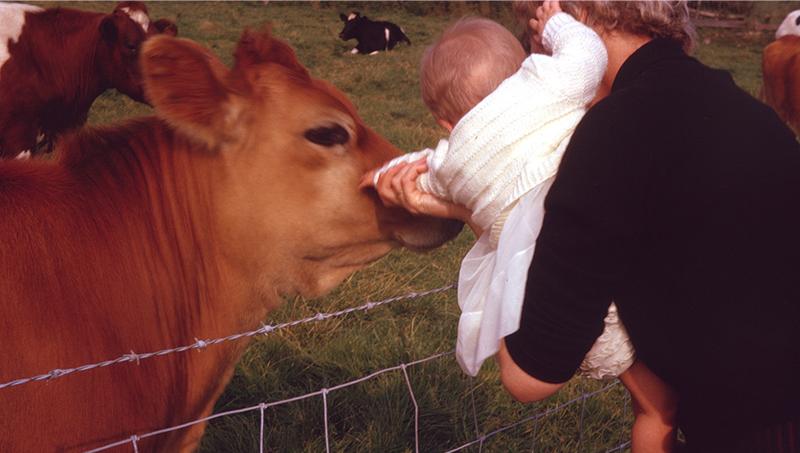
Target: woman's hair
<point>470,59</point>
<point>654,18</point>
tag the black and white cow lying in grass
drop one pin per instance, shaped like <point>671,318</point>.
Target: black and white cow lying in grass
<point>372,36</point>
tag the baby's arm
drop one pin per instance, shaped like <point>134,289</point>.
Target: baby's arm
<point>408,181</point>
<point>427,181</point>
<point>579,57</point>
<point>404,159</point>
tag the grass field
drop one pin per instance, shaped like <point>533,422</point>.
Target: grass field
<point>378,415</point>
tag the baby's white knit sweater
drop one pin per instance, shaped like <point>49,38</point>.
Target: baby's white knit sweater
<point>513,139</point>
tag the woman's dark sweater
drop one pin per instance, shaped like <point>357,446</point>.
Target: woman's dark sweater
<point>679,199</point>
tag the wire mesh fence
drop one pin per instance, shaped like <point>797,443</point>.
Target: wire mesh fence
<point>530,423</point>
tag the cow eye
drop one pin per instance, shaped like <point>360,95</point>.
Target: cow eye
<point>328,135</point>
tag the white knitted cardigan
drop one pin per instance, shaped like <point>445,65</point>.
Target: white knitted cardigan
<point>513,139</point>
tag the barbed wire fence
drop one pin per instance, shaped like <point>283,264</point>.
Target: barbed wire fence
<point>266,329</point>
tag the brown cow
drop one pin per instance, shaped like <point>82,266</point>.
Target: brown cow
<point>54,63</point>
<point>780,66</point>
<point>187,225</point>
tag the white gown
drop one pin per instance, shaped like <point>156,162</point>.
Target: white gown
<point>491,288</point>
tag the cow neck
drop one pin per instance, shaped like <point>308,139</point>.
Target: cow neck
<point>77,69</point>
<point>162,182</point>
<point>154,188</point>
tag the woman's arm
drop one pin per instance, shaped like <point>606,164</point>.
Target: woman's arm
<point>521,385</point>
<point>595,219</point>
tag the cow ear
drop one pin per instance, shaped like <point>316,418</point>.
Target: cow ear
<point>259,47</point>
<point>165,27</point>
<point>343,17</point>
<point>108,29</point>
<point>187,86</point>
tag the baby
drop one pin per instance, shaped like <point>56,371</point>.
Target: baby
<point>509,128</point>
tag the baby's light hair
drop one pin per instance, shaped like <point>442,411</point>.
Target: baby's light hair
<point>470,59</point>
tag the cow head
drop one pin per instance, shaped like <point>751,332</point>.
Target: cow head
<point>287,152</point>
<point>122,33</point>
<point>351,23</point>
<point>138,13</point>
<point>790,25</point>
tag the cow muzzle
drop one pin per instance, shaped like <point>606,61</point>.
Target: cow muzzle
<point>425,233</point>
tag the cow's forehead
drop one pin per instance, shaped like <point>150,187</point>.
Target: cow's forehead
<point>351,16</point>
<point>138,16</point>
<point>340,99</point>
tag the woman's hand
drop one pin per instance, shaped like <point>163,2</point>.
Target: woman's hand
<point>536,25</point>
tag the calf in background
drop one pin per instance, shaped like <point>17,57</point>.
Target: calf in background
<point>372,36</point>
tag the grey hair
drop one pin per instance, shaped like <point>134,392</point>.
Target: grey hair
<point>653,18</point>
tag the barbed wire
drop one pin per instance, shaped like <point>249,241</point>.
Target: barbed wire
<point>134,439</point>
<point>201,343</point>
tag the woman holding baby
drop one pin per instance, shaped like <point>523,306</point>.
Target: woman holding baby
<point>675,199</point>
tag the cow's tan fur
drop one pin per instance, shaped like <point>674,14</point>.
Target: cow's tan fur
<point>187,225</point>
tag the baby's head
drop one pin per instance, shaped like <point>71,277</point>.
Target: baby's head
<point>470,59</point>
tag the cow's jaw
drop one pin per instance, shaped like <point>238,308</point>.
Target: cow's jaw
<point>327,268</point>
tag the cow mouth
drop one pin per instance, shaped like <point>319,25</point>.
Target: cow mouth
<point>436,233</point>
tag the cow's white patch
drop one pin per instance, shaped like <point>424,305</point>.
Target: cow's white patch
<point>354,50</point>
<point>138,16</point>
<point>386,34</point>
<point>374,53</point>
<point>351,16</point>
<point>789,25</point>
<point>12,19</point>
<point>25,155</point>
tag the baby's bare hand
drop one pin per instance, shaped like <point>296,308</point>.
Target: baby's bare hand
<point>548,9</point>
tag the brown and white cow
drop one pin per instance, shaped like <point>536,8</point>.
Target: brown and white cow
<point>780,66</point>
<point>55,62</point>
<point>187,225</point>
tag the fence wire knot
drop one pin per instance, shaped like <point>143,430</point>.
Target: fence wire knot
<point>57,373</point>
<point>266,328</point>
<point>133,357</point>
<point>200,344</point>
<point>319,316</point>
<point>369,305</point>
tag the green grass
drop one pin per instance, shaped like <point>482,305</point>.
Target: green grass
<point>378,415</point>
